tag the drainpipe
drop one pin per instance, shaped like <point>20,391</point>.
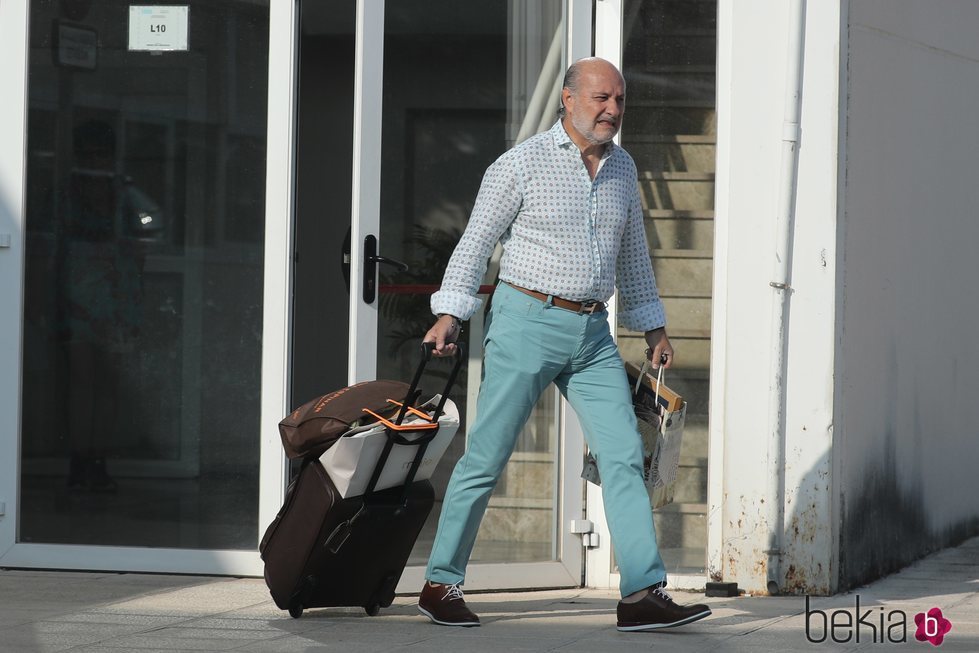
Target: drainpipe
<point>788,181</point>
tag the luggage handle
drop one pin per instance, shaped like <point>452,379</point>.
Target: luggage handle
<point>427,348</point>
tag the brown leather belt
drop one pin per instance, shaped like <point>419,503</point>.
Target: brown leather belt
<point>578,307</point>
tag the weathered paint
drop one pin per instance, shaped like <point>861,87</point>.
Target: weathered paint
<point>750,94</point>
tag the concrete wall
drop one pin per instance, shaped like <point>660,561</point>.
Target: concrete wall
<point>907,417</point>
<point>751,81</point>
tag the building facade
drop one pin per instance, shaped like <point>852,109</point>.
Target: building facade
<point>190,195</point>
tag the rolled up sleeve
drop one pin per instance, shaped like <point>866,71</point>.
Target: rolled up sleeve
<point>640,307</point>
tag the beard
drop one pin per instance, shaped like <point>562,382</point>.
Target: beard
<point>596,133</point>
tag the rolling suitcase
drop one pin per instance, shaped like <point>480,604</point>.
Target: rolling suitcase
<point>324,550</point>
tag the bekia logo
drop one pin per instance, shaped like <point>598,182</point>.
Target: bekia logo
<point>873,624</point>
<point>932,626</point>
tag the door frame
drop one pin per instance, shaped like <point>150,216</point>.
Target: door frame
<point>13,132</point>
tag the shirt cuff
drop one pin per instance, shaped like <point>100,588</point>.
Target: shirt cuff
<point>643,318</point>
<point>454,303</point>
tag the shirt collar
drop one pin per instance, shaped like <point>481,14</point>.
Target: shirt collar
<point>562,140</point>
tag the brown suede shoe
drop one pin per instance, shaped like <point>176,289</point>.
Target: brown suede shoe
<point>657,610</point>
<point>444,605</point>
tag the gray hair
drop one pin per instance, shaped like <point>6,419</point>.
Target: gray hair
<point>570,83</point>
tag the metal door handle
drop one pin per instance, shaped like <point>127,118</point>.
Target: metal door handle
<point>371,259</point>
<point>390,261</point>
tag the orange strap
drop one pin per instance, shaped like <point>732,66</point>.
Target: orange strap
<point>428,425</point>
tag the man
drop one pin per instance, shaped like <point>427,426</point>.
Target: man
<point>565,206</point>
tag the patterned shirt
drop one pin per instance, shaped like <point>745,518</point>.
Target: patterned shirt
<point>563,234</point>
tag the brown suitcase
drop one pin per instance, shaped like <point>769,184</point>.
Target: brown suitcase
<point>322,550</point>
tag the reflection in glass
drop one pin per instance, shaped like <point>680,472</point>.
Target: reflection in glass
<point>459,86</point>
<point>670,129</point>
<point>145,222</point>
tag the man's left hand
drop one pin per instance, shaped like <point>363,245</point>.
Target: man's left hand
<point>659,348</point>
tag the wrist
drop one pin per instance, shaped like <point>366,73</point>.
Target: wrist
<point>456,322</point>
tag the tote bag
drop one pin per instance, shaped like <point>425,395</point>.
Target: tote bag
<point>352,459</point>
<point>660,415</point>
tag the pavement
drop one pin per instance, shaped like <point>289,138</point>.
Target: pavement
<point>113,612</point>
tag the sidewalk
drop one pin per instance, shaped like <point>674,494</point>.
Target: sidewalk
<point>111,613</point>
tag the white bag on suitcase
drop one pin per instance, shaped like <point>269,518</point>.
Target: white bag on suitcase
<point>352,459</point>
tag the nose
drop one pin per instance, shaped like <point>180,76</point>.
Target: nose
<point>614,107</point>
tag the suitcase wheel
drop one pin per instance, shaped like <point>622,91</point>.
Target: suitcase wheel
<point>296,610</point>
<point>372,610</point>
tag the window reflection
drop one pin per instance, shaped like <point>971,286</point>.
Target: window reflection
<point>145,222</point>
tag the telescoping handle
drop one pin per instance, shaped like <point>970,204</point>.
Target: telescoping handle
<point>427,349</point>
<point>421,442</point>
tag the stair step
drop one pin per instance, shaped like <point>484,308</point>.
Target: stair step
<point>680,139</point>
<point>676,176</point>
<point>672,156</point>
<point>685,508</point>
<point>677,103</point>
<point>521,503</point>
<point>687,214</point>
<point>669,229</point>
<point>672,69</point>
<point>692,120</point>
<point>682,253</point>
<point>684,275</point>
<point>685,294</point>
<point>677,190</point>
<point>689,334</point>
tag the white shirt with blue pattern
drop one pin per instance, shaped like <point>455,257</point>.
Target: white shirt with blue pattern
<point>563,234</point>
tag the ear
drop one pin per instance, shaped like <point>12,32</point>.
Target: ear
<point>566,97</point>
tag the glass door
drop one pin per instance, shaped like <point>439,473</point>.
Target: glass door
<point>441,90</point>
<point>145,305</point>
<point>667,51</point>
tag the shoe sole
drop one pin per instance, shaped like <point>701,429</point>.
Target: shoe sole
<point>463,624</point>
<point>672,624</point>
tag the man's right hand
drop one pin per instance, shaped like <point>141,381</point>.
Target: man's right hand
<point>444,333</point>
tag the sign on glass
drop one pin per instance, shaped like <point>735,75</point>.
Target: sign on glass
<point>158,27</point>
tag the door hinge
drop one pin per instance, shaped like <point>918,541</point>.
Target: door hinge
<point>586,529</point>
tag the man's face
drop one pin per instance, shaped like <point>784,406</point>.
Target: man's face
<point>595,109</point>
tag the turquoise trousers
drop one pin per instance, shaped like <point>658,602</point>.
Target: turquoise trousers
<point>529,344</point>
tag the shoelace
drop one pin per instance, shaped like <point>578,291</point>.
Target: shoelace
<point>662,593</point>
<point>452,593</point>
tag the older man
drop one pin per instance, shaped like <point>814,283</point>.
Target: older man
<point>565,206</point>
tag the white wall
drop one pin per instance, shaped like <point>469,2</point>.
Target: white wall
<point>907,365</point>
<point>751,82</point>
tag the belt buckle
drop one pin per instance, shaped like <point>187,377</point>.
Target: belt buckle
<point>588,308</point>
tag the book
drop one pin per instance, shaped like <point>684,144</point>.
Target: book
<point>668,398</point>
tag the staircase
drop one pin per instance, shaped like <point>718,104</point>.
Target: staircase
<point>670,131</point>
